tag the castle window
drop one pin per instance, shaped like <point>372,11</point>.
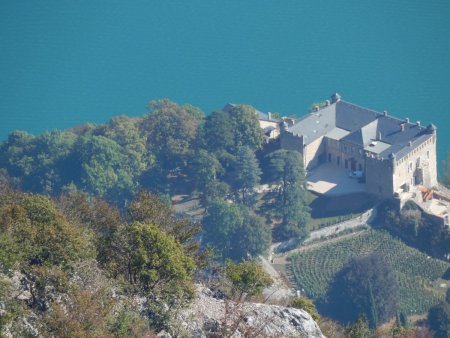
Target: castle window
<point>428,154</point>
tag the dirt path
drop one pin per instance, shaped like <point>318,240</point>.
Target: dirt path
<point>278,290</point>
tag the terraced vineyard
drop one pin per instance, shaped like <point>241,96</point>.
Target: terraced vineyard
<point>416,274</point>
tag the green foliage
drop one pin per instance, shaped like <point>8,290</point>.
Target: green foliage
<point>218,132</point>
<point>195,111</point>
<point>439,320</point>
<point>34,232</point>
<point>245,174</point>
<point>247,279</point>
<point>415,228</point>
<point>151,209</point>
<point>314,269</point>
<point>306,304</point>
<point>235,231</point>
<point>214,190</point>
<point>245,124</point>
<point>286,168</point>
<point>106,161</point>
<point>42,163</point>
<point>359,329</point>
<point>365,285</point>
<point>157,258</point>
<point>171,132</point>
<point>204,169</point>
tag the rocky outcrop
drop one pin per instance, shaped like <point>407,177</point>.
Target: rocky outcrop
<point>210,316</point>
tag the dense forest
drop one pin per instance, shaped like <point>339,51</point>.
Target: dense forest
<point>173,149</point>
<point>88,228</point>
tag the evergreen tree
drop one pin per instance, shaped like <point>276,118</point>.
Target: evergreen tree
<point>286,168</point>
<point>245,175</point>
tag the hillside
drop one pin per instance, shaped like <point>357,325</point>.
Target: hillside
<point>417,275</point>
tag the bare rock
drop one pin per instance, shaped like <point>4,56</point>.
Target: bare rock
<point>208,316</point>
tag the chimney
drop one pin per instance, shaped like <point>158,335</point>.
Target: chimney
<point>327,103</point>
<point>402,127</point>
<point>335,98</point>
<point>379,135</point>
<point>269,114</point>
<point>410,143</point>
<point>385,113</point>
<point>316,108</point>
<point>407,120</point>
<point>418,124</point>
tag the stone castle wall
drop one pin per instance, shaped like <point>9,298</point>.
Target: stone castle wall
<point>379,177</point>
<point>418,167</point>
<point>312,153</point>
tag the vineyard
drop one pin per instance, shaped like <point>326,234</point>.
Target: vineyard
<point>416,274</point>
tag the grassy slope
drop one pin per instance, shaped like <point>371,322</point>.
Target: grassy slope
<point>416,274</point>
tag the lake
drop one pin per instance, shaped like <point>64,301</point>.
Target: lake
<point>68,62</point>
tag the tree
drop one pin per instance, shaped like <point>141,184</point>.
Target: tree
<point>439,320</point>
<point>306,304</point>
<point>205,169</point>
<point>94,214</point>
<point>220,225</point>
<point>247,131</point>
<point>39,234</point>
<point>151,209</point>
<point>214,190</point>
<point>235,231</point>
<point>218,132</point>
<point>247,279</point>
<point>286,168</point>
<point>105,170</point>
<point>359,329</point>
<point>245,175</point>
<point>44,163</point>
<point>366,286</point>
<point>154,261</point>
<point>171,131</point>
<point>195,111</point>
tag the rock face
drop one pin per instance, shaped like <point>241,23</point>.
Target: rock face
<point>209,316</point>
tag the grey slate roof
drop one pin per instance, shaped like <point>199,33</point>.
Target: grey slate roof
<point>315,125</point>
<point>363,126</point>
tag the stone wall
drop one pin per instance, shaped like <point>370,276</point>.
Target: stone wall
<point>345,152</point>
<point>312,152</point>
<point>379,177</point>
<point>290,142</point>
<point>418,167</point>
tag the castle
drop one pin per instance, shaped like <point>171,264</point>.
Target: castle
<point>389,154</point>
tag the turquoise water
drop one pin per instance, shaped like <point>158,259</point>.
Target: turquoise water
<point>63,62</point>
